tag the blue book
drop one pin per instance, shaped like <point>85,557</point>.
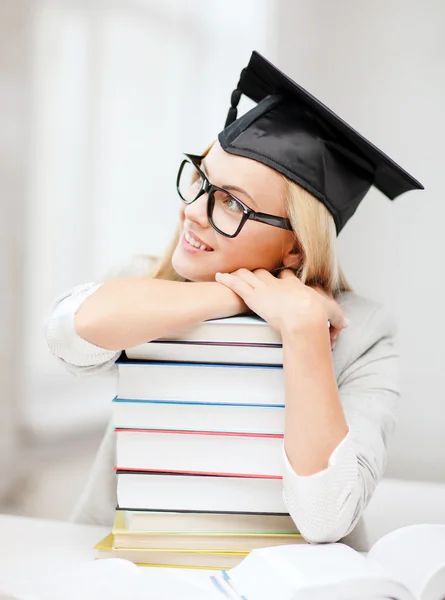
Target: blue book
<point>198,416</point>
<point>197,382</point>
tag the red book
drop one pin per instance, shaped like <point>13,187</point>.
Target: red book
<point>203,452</point>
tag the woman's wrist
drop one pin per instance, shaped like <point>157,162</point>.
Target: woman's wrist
<point>308,322</point>
<point>226,303</point>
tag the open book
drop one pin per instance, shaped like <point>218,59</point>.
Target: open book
<point>406,564</point>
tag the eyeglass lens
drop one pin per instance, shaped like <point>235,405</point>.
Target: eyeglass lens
<point>226,212</point>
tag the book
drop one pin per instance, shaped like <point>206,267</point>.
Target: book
<point>199,452</point>
<point>204,352</point>
<point>172,558</point>
<point>192,382</point>
<point>242,329</point>
<point>112,579</point>
<point>191,493</point>
<point>194,412</point>
<point>406,564</point>
<point>156,521</point>
<point>197,416</point>
<point>221,541</point>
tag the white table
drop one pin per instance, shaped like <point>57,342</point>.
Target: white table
<point>32,549</point>
<point>30,546</point>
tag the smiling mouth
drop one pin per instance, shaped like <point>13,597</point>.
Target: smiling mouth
<point>190,239</point>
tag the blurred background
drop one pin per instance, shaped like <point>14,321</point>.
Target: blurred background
<point>98,98</point>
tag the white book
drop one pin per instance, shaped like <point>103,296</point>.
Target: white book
<point>243,339</point>
<point>174,492</point>
<point>192,382</point>
<point>205,352</point>
<point>111,579</point>
<point>200,452</point>
<point>237,329</point>
<point>138,521</point>
<point>406,564</point>
<point>197,416</point>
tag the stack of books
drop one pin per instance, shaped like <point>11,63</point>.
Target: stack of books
<point>199,420</point>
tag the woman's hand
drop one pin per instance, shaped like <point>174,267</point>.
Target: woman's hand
<point>285,302</point>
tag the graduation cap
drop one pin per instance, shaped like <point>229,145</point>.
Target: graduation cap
<point>295,134</point>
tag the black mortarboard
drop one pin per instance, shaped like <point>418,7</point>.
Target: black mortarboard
<point>292,132</point>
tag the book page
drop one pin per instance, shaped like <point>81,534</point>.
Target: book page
<point>116,579</point>
<point>314,572</point>
<point>415,555</point>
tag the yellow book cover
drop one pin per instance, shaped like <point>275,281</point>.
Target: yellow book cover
<point>106,543</point>
<point>167,557</point>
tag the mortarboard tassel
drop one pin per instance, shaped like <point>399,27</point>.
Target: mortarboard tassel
<point>233,110</point>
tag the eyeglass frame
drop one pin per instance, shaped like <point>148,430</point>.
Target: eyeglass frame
<point>209,189</point>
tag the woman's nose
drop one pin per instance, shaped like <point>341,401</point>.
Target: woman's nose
<point>197,211</point>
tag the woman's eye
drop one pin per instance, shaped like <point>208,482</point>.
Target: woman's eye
<point>232,204</point>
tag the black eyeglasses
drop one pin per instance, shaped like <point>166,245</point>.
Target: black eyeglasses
<point>226,213</point>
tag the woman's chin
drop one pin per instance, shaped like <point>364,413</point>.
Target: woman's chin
<point>184,268</point>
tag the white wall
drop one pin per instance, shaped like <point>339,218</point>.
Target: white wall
<point>381,66</point>
<point>14,122</point>
<point>121,87</point>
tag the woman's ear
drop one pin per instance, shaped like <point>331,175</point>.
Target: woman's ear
<point>292,257</point>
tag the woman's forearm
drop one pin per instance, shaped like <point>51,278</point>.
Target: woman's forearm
<point>314,419</point>
<point>128,311</point>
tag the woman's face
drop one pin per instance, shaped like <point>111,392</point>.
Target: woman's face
<point>257,245</point>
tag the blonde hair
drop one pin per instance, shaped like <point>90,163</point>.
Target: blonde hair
<point>315,242</point>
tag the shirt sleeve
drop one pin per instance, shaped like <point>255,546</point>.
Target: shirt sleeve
<point>78,355</point>
<point>327,505</point>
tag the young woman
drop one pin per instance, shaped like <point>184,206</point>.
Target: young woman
<point>258,219</point>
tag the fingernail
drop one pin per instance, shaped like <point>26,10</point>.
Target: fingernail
<point>345,322</point>
<point>218,274</point>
